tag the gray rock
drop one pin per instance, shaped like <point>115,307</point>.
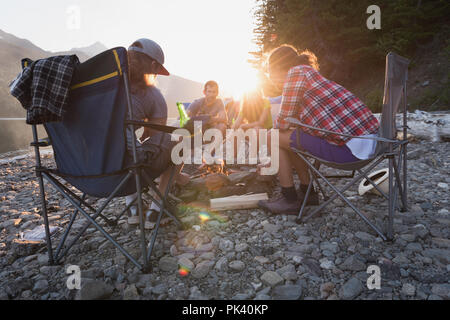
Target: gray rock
<point>226,245</point>
<point>94,290</point>
<point>414,247</point>
<point>237,265</point>
<point>287,292</point>
<point>222,264</point>
<point>40,286</point>
<point>271,228</point>
<point>353,263</point>
<point>351,289</point>
<point>330,246</point>
<point>159,289</point>
<point>420,230</point>
<point>195,294</point>
<point>202,269</point>
<point>185,263</point>
<point>168,263</point>
<point>408,290</point>
<point>364,236</point>
<point>442,290</point>
<point>130,293</point>
<point>261,259</point>
<point>241,247</point>
<point>441,255</point>
<point>271,278</point>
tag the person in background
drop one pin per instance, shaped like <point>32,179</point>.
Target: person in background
<point>317,102</point>
<point>146,58</point>
<point>254,113</point>
<point>210,105</point>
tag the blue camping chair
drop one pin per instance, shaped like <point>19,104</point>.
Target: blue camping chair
<point>90,153</point>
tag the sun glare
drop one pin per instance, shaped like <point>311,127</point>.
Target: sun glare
<point>243,81</point>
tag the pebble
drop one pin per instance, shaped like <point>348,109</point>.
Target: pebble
<point>287,292</point>
<point>351,289</point>
<point>168,264</point>
<point>248,254</point>
<point>271,278</point>
<point>202,269</point>
<point>130,293</point>
<point>237,265</point>
<point>408,289</point>
<point>94,290</point>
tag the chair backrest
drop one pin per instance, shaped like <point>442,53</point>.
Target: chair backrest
<point>394,88</point>
<point>91,138</point>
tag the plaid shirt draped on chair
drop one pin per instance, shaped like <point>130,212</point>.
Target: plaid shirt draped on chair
<point>319,102</point>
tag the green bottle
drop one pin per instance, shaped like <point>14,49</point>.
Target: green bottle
<point>184,118</point>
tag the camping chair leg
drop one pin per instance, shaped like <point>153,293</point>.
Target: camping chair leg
<point>66,233</point>
<point>330,199</point>
<point>91,219</point>
<point>398,184</point>
<point>137,175</point>
<point>161,212</point>
<point>82,201</point>
<point>47,227</point>
<point>150,182</point>
<point>391,200</point>
<point>317,166</point>
<point>305,199</point>
<point>341,195</point>
<point>42,194</point>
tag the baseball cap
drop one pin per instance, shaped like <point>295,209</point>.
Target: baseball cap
<point>153,50</point>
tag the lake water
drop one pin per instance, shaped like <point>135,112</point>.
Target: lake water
<point>15,134</point>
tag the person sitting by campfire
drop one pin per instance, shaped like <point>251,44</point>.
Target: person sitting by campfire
<point>146,60</point>
<point>210,105</point>
<point>254,113</point>
<point>317,102</point>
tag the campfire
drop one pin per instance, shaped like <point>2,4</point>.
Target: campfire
<point>221,180</point>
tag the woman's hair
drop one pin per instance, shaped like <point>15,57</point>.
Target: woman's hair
<point>286,56</point>
<point>139,64</point>
<point>252,105</point>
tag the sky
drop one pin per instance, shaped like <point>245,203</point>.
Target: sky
<point>201,39</point>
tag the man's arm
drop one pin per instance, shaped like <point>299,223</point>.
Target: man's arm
<point>193,109</point>
<point>221,116</point>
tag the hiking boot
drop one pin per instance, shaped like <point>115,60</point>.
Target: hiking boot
<point>313,198</point>
<point>281,206</point>
<point>151,216</point>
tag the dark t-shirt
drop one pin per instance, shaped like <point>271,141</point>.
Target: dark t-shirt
<point>149,103</point>
<point>198,107</point>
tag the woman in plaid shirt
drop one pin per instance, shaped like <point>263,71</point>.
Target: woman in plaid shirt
<point>317,102</point>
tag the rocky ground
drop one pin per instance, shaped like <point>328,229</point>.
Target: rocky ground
<point>241,254</point>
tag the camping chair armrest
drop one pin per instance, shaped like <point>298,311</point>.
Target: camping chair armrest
<point>157,127</point>
<point>297,123</point>
<point>44,142</point>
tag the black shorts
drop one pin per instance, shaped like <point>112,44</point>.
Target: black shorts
<point>155,153</point>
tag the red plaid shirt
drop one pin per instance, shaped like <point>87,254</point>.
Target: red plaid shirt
<point>324,104</point>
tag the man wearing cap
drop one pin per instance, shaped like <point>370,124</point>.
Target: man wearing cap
<point>146,60</point>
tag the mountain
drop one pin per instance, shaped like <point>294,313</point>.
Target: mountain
<point>14,135</point>
<point>13,49</point>
<point>91,50</point>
